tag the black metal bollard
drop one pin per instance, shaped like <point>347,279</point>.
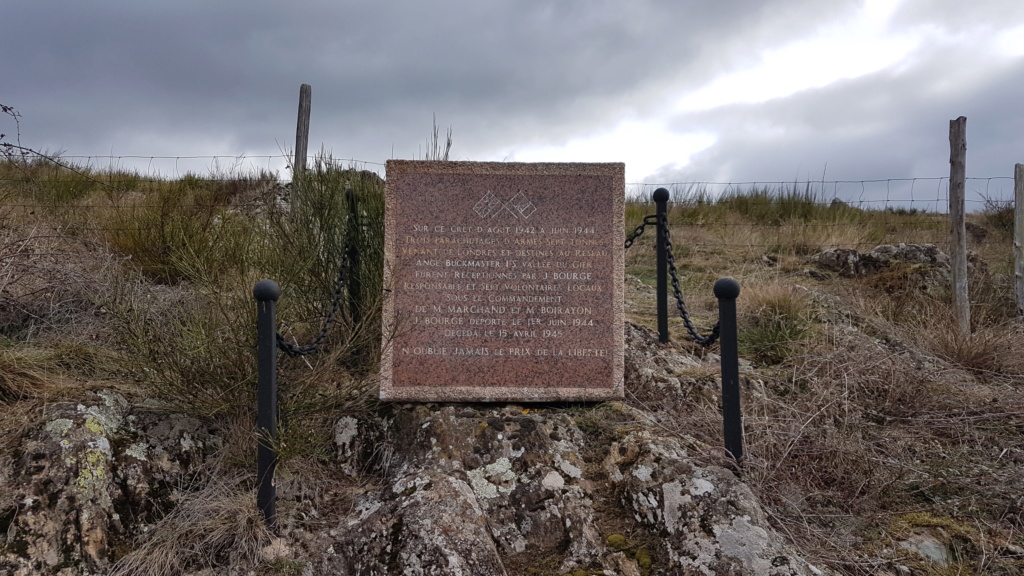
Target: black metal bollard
<point>727,290</point>
<point>661,202</point>
<point>266,292</point>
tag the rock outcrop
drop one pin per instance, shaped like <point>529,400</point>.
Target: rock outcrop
<point>922,267</point>
<point>429,489</point>
<point>849,262</point>
<point>513,490</point>
<point>96,471</point>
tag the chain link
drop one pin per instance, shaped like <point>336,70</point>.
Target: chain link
<point>649,220</point>
<point>314,346</point>
<point>332,312</point>
<point>704,341</point>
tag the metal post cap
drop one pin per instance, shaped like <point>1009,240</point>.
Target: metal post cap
<point>661,195</point>
<point>266,290</point>
<point>727,288</point>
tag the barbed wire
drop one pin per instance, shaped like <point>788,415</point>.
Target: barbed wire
<point>716,183</point>
<point>937,205</point>
<point>285,157</point>
<point>676,187</point>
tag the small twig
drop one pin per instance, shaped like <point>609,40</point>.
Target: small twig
<point>792,443</point>
<point>14,149</point>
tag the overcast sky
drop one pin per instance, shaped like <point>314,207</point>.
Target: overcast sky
<point>679,90</point>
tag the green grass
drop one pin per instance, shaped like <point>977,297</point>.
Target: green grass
<point>787,203</point>
<point>777,321</point>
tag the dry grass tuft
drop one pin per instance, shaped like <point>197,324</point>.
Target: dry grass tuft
<point>21,376</point>
<point>16,420</point>
<point>774,319</point>
<point>987,351</point>
<point>216,527</point>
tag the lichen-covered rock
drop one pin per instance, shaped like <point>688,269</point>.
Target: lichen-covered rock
<point>712,522</point>
<point>843,261</point>
<point>932,264</point>
<point>429,524</point>
<point>507,490</point>
<point>514,474</point>
<point>412,489</point>
<point>849,262</point>
<point>87,480</point>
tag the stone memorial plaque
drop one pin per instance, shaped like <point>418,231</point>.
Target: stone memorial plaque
<point>506,281</point>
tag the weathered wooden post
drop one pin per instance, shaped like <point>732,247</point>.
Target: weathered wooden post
<point>301,145</point>
<point>302,129</point>
<point>958,236</point>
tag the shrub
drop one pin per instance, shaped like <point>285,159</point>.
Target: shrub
<point>181,230</point>
<point>999,215</point>
<point>191,342</point>
<point>47,180</point>
<point>187,348</point>
<point>336,220</point>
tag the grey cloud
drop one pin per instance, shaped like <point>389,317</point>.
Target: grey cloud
<point>956,15</point>
<point>142,77</point>
<point>891,124</point>
<point>195,77</point>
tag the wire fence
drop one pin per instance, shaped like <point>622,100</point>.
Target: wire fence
<point>926,194</point>
<point>99,195</point>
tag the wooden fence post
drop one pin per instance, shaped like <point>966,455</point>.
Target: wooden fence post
<point>958,237</point>
<point>1018,237</point>
<point>301,144</point>
<point>302,128</point>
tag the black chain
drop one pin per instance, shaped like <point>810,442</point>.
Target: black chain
<point>704,341</point>
<point>339,291</point>
<point>314,346</point>
<point>649,220</point>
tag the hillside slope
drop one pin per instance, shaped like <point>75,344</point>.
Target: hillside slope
<point>879,440</point>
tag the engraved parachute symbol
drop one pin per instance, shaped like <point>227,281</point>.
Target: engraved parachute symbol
<point>490,206</point>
